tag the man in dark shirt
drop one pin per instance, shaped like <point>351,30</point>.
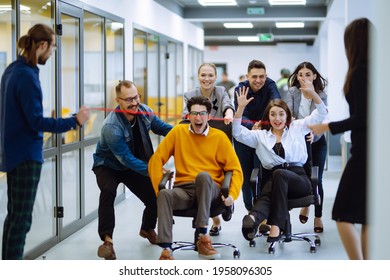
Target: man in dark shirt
<point>263,90</point>
<point>21,134</point>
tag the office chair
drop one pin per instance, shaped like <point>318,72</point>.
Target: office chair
<point>311,199</point>
<point>217,208</point>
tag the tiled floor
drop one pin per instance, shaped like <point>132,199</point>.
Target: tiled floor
<point>129,246</point>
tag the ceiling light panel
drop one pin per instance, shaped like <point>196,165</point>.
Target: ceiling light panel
<point>217,2</point>
<point>296,24</point>
<point>238,25</point>
<point>287,2</point>
<point>248,38</point>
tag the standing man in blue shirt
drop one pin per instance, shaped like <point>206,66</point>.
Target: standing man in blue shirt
<point>21,134</point>
<point>263,90</point>
<point>122,155</point>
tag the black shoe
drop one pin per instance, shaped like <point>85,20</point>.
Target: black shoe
<point>214,231</point>
<point>274,238</point>
<point>228,213</point>
<point>249,228</point>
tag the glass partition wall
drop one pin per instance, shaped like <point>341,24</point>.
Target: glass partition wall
<point>158,73</point>
<point>88,62</point>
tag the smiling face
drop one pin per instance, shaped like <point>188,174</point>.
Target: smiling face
<point>207,76</point>
<point>198,118</point>
<point>128,99</point>
<point>256,78</point>
<point>277,118</point>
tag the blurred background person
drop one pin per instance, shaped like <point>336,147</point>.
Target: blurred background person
<point>281,84</point>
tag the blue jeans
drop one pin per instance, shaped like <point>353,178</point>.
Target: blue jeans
<point>248,160</point>
<point>319,151</point>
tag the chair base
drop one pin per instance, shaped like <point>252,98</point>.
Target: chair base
<point>185,246</point>
<point>291,237</point>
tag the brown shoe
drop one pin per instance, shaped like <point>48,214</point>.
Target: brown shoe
<point>106,251</point>
<point>150,234</point>
<point>166,255</point>
<point>205,248</point>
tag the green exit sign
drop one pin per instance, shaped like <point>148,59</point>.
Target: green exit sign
<point>266,37</point>
<point>255,11</point>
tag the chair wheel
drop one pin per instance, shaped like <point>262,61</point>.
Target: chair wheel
<point>317,242</point>
<point>252,243</point>
<point>313,249</point>
<point>236,254</point>
<point>271,250</point>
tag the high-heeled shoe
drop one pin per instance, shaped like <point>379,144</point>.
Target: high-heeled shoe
<point>249,228</point>
<point>274,238</point>
<point>303,218</point>
<point>318,228</point>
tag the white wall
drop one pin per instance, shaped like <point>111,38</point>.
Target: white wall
<point>379,152</point>
<point>274,57</point>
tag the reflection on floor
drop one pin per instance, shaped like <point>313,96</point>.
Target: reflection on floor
<point>129,246</point>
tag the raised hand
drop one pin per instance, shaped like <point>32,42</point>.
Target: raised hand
<point>241,96</point>
<point>307,89</point>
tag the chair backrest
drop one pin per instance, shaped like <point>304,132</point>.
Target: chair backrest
<point>219,124</point>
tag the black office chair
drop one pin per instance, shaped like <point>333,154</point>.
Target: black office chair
<point>311,199</point>
<point>217,208</point>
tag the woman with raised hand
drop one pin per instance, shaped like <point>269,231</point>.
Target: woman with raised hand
<point>281,148</point>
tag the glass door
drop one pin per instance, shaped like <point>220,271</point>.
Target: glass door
<point>168,81</point>
<point>70,205</point>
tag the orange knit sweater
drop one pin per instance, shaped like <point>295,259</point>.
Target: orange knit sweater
<point>194,153</point>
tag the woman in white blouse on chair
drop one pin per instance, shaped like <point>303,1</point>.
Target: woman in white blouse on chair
<point>280,146</point>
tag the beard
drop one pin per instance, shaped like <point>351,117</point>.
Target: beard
<point>44,57</point>
<point>132,109</point>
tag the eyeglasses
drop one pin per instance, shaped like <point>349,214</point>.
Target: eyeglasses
<point>201,113</point>
<point>130,99</point>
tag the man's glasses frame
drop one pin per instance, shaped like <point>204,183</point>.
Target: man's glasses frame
<point>129,100</point>
<point>201,113</point>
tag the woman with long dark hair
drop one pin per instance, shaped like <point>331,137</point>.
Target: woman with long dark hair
<point>350,206</point>
<point>300,108</point>
<point>281,148</point>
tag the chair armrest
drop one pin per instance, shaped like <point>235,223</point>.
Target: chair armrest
<point>254,176</point>
<point>226,183</point>
<point>166,177</point>
<point>314,183</point>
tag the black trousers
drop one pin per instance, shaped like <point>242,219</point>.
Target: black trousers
<point>273,201</point>
<point>108,180</point>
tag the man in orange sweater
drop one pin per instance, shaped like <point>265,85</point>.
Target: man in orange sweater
<point>202,155</point>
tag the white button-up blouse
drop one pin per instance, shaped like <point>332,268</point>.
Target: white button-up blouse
<point>293,139</point>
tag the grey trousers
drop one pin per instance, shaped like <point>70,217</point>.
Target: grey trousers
<point>203,192</point>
